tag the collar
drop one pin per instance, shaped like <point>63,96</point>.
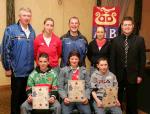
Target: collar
<point>39,71</point>
<point>29,26</point>
<point>130,36</point>
<point>78,36</point>
<point>71,69</point>
<point>25,30</point>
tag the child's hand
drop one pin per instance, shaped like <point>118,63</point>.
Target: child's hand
<point>99,103</point>
<point>66,101</point>
<point>51,100</point>
<point>29,99</point>
<point>85,101</point>
<point>117,103</point>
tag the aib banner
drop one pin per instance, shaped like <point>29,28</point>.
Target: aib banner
<point>107,17</point>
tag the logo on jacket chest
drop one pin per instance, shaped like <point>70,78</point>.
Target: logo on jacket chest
<point>103,81</point>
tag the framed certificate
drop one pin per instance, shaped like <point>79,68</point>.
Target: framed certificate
<point>40,97</point>
<point>110,97</point>
<point>76,90</point>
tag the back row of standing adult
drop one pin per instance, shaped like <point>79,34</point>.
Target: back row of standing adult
<point>127,62</point>
<point>73,40</point>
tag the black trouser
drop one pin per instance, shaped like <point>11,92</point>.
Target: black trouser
<point>128,92</point>
<point>18,95</point>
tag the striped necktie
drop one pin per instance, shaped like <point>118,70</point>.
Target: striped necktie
<point>126,50</point>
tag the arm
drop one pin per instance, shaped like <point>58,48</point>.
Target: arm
<point>142,60</point>
<point>97,100</point>
<point>89,53</point>
<point>54,89</point>
<point>94,88</point>
<point>35,48</point>
<point>87,85</point>
<point>30,84</point>
<point>6,52</point>
<point>59,49</point>
<point>115,84</point>
<point>113,57</point>
<point>61,82</point>
<point>61,90</point>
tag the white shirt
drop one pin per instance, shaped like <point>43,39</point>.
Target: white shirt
<point>27,31</point>
<point>47,40</point>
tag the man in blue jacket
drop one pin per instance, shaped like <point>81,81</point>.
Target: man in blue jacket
<point>73,40</point>
<point>18,56</point>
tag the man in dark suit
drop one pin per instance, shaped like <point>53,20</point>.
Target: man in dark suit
<point>127,62</point>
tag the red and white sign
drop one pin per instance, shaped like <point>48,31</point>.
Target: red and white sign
<point>107,17</point>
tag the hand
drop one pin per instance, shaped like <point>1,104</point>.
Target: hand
<point>66,101</point>
<point>139,80</point>
<point>8,73</point>
<point>85,101</point>
<point>117,103</point>
<point>29,99</point>
<point>51,100</point>
<point>99,103</point>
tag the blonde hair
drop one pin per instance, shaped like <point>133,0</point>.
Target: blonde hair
<point>24,9</point>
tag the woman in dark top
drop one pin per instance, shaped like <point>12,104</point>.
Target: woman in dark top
<point>98,47</point>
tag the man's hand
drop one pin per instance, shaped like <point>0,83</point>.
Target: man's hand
<point>66,101</point>
<point>8,73</point>
<point>51,100</point>
<point>139,80</point>
<point>29,99</point>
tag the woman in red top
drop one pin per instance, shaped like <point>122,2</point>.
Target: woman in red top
<point>98,47</point>
<point>49,43</point>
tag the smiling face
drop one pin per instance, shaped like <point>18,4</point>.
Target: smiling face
<point>48,26</point>
<point>74,61</point>
<point>103,66</point>
<point>74,25</point>
<point>100,32</point>
<point>43,63</point>
<point>127,27</point>
<point>24,17</point>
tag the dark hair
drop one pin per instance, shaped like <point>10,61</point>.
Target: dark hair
<point>44,55</point>
<point>73,53</point>
<point>102,27</point>
<point>101,59</point>
<point>127,18</point>
<point>74,17</point>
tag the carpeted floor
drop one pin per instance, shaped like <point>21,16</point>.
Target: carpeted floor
<point>5,100</point>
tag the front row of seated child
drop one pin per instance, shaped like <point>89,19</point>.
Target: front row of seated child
<point>100,79</point>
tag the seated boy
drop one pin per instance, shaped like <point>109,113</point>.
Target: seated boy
<point>101,79</point>
<point>42,74</point>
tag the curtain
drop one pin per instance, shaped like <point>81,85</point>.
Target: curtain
<point>138,15</point>
<point>10,12</point>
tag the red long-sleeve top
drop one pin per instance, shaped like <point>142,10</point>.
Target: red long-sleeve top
<point>53,50</point>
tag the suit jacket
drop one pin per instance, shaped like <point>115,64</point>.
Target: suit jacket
<point>135,61</point>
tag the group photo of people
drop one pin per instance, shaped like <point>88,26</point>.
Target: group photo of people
<point>108,83</point>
